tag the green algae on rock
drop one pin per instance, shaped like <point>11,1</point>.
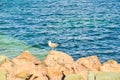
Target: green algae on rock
<point>3,74</point>
<point>108,76</point>
<point>3,59</point>
<point>91,75</point>
<point>74,77</point>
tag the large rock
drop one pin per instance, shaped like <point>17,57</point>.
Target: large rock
<point>84,65</point>
<point>10,69</point>
<point>110,66</point>
<point>58,62</point>
<point>26,64</point>
<point>91,63</point>
<point>58,58</point>
<point>79,69</point>
<point>26,55</point>
<point>54,73</point>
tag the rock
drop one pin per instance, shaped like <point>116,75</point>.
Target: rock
<point>22,75</point>
<point>54,73</point>
<point>57,62</point>
<point>110,66</point>
<point>107,76</point>
<point>58,58</point>
<point>83,65</point>
<point>37,70</point>
<point>112,62</point>
<point>23,65</point>
<point>26,55</point>
<point>3,74</point>
<point>27,60</point>
<point>3,59</point>
<point>74,77</point>
<point>10,68</point>
<point>57,66</point>
<point>91,63</point>
<point>79,69</point>
<point>32,66</point>
<point>68,69</point>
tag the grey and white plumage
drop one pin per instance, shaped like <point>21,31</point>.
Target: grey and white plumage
<point>52,45</point>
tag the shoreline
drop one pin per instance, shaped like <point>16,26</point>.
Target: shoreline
<point>57,66</point>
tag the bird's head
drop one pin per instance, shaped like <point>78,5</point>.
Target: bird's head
<point>49,42</point>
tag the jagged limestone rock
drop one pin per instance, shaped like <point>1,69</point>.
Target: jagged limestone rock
<point>110,66</point>
<point>85,64</point>
<point>57,58</point>
<point>57,62</point>
<point>91,63</point>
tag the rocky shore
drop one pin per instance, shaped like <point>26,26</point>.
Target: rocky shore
<point>57,66</point>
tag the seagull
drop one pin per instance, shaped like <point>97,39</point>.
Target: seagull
<point>52,45</point>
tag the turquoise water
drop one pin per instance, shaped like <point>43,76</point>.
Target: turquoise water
<point>13,47</point>
<point>84,27</point>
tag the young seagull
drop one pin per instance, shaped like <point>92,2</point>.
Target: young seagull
<point>52,45</point>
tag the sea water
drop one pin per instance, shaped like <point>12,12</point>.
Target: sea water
<point>83,27</point>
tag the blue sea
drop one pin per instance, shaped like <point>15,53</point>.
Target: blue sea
<point>83,27</point>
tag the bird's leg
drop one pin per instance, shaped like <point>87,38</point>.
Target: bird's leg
<point>52,48</point>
